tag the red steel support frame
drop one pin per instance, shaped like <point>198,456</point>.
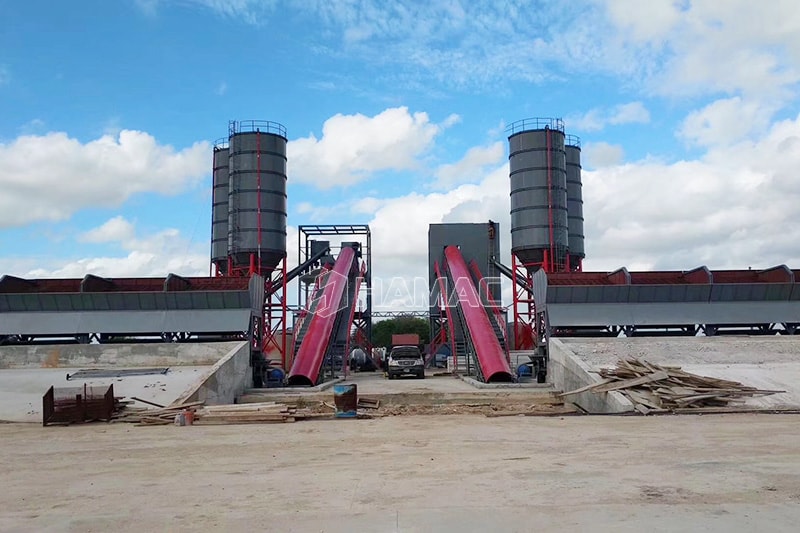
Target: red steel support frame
<point>548,266</point>
<point>491,358</point>
<point>525,334</point>
<point>305,368</point>
<point>275,314</point>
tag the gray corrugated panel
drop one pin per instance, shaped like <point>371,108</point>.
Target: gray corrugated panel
<point>662,314</point>
<point>256,287</point>
<point>751,291</point>
<point>133,301</point>
<point>539,281</point>
<point>734,292</point>
<point>125,322</point>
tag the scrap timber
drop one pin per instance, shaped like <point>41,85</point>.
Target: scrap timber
<point>655,389</point>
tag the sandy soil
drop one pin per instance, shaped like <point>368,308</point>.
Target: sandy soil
<point>422,473</point>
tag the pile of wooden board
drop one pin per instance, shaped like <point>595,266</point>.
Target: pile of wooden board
<point>151,417</point>
<point>250,413</point>
<point>254,413</point>
<point>660,389</point>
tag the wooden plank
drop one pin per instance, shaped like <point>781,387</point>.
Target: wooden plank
<point>148,402</point>
<point>635,382</point>
<point>588,387</point>
<point>735,409</point>
<point>644,398</point>
<point>229,422</point>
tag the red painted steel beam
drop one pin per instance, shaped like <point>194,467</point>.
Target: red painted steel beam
<point>305,368</point>
<point>488,351</point>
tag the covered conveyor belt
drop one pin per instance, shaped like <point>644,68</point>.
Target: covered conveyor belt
<point>756,301</point>
<point>475,320</point>
<point>319,327</point>
<point>100,309</point>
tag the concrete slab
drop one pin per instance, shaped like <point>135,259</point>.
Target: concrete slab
<point>225,381</point>
<point>21,390</point>
<point>771,363</point>
<point>567,372</point>
<point>104,355</point>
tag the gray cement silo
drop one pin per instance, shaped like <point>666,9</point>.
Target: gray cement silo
<point>574,202</point>
<point>219,206</point>
<point>538,174</point>
<point>257,194</point>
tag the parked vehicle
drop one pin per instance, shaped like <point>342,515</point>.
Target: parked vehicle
<point>405,361</point>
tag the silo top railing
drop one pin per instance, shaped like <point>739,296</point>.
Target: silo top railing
<point>253,126</point>
<point>573,140</point>
<point>221,143</point>
<point>536,123</point>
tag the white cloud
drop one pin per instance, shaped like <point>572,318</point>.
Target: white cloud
<point>117,229</point>
<point>725,121</point>
<point>597,119</point>
<point>707,47</point>
<point>352,147</point>
<point>601,154</point>
<point>471,167</point>
<point>157,254</point>
<point>50,177</point>
<point>734,207</point>
<point>33,126</point>
<point>249,11</point>
<point>646,21</point>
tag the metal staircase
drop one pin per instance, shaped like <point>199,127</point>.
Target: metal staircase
<point>306,320</point>
<point>335,355</point>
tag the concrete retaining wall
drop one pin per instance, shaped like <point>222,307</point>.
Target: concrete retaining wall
<point>113,355</point>
<point>567,372</point>
<point>228,379</point>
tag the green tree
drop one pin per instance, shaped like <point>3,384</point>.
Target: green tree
<point>382,331</point>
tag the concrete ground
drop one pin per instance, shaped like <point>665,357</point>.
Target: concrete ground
<point>423,473</point>
<point>27,372</point>
<point>771,363</point>
<point>21,390</point>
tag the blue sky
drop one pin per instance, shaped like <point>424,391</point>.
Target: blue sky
<point>395,110</point>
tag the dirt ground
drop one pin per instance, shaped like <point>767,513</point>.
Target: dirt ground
<point>415,473</point>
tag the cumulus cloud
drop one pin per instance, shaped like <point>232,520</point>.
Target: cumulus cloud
<point>352,147</point>
<point>601,154</point>
<point>470,167</point>
<point>598,118</point>
<point>725,121</point>
<point>50,177</point>
<point>127,254</point>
